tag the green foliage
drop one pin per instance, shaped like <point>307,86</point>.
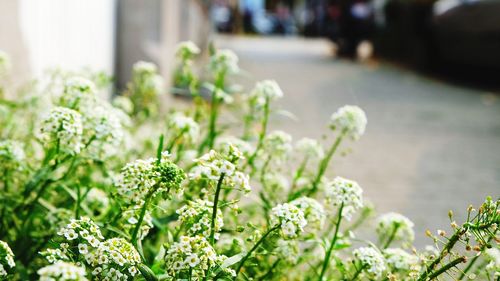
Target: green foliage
<point>88,193</point>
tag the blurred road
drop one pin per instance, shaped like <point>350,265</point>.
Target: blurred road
<point>429,146</point>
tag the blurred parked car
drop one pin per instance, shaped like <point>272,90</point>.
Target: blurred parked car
<point>439,33</point>
<point>468,32</point>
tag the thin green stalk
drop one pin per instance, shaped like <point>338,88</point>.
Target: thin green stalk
<point>214,111</point>
<point>262,134</point>
<point>451,243</point>
<point>332,244</point>
<point>78,201</point>
<point>474,260</point>
<point>243,260</point>
<point>214,208</point>
<point>324,163</point>
<point>141,218</point>
<point>391,238</point>
<point>269,273</point>
<point>357,273</point>
<point>447,267</point>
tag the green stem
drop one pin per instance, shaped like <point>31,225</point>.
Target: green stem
<point>262,134</point>
<point>451,243</point>
<point>332,244</point>
<point>78,201</point>
<point>141,218</point>
<point>324,163</point>
<point>214,208</point>
<point>391,238</point>
<point>254,248</point>
<point>447,267</point>
<point>214,112</point>
<point>358,272</point>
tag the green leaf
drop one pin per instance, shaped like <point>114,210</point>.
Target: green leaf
<point>232,260</point>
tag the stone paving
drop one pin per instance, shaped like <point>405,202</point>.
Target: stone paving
<point>430,146</point>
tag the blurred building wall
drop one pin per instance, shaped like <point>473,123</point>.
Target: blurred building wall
<point>70,34</point>
<point>103,35</point>
<point>150,30</point>
<point>13,43</point>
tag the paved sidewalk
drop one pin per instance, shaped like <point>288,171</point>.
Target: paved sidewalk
<point>429,146</point>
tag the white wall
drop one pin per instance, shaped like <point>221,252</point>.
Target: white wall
<point>70,34</point>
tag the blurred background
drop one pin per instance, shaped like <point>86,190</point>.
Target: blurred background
<point>427,72</point>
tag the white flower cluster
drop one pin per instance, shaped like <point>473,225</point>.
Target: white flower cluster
<point>350,119</point>
<point>181,126</point>
<point>191,255</point>
<point>84,231</point>
<point>400,260</point>
<point>395,225</point>
<point>289,218</point>
<point>311,148</point>
<point>62,271</point>
<point>78,94</point>
<point>147,81</point>
<point>103,130</point>
<point>371,260</point>
<point>212,165</point>
<point>137,179</point>
<point>313,211</point>
<point>493,256</point>
<point>343,191</point>
<point>115,259</point>
<point>5,64</point>
<point>187,50</point>
<point>145,68</point>
<point>102,124</point>
<point>123,103</point>
<point>6,258</point>
<point>265,91</point>
<point>224,61</point>
<point>63,128</point>
<point>197,215</point>
<point>287,250</point>
<point>227,145</point>
<point>11,155</point>
<point>277,144</point>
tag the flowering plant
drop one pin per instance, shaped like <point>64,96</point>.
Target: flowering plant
<point>125,190</point>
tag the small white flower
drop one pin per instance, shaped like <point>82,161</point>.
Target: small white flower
<point>350,119</point>
<point>6,258</point>
<point>11,155</point>
<point>399,259</point>
<point>290,219</point>
<point>267,90</point>
<point>192,260</point>
<point>224,61</point>
<point>395,225</point>
<point>181,125</point>
<point>63,128</point>
<point>313,211</point>
<point>371,259</point>
<point>311,148</point>
<point>186,50</point>
<point>83,249</point>
<point>62,271</point>
<point>344,192</point>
